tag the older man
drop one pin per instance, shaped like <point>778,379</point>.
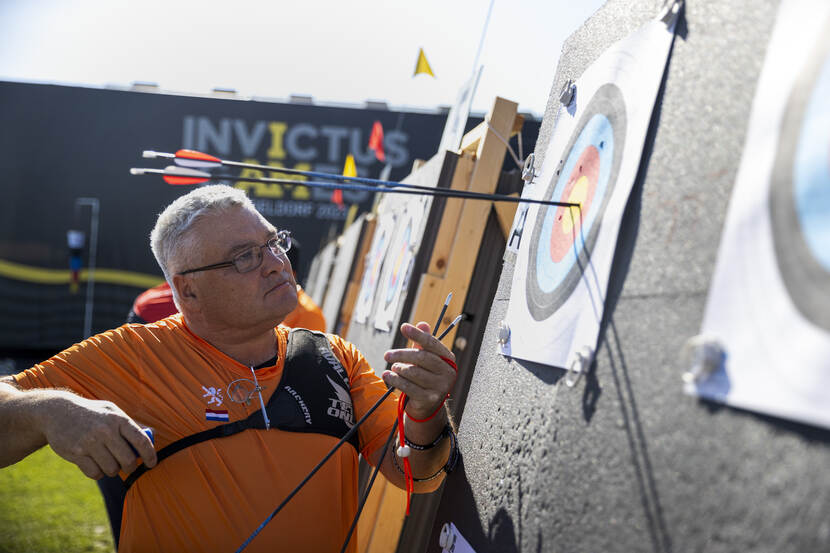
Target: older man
<point>219,364</point>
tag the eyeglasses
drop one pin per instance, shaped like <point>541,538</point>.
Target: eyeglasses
<point>243,389</point>
<point>251,258</point>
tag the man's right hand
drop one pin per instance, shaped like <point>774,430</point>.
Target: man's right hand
<point>95,435</point>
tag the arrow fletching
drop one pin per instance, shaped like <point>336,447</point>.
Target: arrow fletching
<point>177,176</point>
<point>197,160</point>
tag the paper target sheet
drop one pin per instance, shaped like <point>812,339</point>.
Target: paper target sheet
<point>373,265</point>
<point>396,272</point>
<point>565,253</point>
<point>769,302</point>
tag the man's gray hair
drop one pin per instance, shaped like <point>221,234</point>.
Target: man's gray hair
<point>169,240</point>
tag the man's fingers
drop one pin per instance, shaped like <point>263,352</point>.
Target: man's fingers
<point>142,445</point>
<point>423,358</point>
<point>89,467</point>
<point>424,327</point>
<point>408,387</point>
<point>102,457</point>
<point>97,436</point>
<point>123,453</point>
<point>421,336</point>
<point>418,375</point>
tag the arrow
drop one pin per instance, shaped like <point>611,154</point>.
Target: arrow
<point>317,467</point>
<point>177,175</point>
<point>194,158</point>
<point>182,175</point>
<point>441,315</point>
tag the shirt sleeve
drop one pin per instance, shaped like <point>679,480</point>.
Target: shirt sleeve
<point>366,389</point>
<point>101,367</point>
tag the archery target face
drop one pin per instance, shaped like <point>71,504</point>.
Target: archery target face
<point>374,262</point>
<point>563,237</point>
<point>800,190</point>
<point>399,262</point>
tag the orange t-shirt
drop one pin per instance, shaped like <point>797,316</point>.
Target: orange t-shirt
<point>213,495</point>
<point>307,314</point>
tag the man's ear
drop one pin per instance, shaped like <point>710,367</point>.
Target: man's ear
<point>186,291</point>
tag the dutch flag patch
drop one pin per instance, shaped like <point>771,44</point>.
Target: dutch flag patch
<point>216,415</point>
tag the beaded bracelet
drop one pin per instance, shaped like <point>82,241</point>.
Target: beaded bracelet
<point>446,431</point>
<point>452,460</point>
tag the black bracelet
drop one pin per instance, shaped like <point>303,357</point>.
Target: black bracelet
<point>452,460</point>
<point>446,431</point>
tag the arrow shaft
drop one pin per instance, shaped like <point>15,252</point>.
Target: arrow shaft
<point>360,180</point>
<point>420,191</point>
<point>317,467</point>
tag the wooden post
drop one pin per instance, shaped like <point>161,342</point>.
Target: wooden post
<point>450,268</point>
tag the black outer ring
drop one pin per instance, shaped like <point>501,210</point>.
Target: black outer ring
<point>608,101</point>
<point>806,281</point>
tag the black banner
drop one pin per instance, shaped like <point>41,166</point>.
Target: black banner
<point>62,148</point>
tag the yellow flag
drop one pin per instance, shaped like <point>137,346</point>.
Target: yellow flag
<point>350,217</point>
<point>422,65</point>
<point>349,169</point>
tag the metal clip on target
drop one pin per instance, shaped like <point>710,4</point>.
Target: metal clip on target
<point>579,365</point>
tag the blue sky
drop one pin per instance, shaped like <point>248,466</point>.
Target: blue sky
<point>335,51</point>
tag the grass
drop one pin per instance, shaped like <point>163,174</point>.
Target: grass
<point>47,505</point>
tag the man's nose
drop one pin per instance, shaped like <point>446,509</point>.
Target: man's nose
<point>272,259</point>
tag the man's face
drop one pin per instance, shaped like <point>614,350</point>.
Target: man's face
<point>262,297</point>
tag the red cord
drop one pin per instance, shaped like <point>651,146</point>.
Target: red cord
<point>452,364</point>
<point>407,468</point>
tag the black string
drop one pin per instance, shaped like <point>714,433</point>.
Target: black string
<point>369,487</point>
<point>441,315</point>
<point>343,440</point>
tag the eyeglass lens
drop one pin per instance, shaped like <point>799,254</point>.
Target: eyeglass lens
<point>251,258</point>
<point>242,390</point>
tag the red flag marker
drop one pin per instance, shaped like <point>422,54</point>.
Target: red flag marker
<point>376,141</point>
<point>188,158</point>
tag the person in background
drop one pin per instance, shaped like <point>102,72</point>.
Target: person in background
<point>153,305</point>
<point>308,314</point>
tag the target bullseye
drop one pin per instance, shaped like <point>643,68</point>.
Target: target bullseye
<point>563,237</point>
<point>580,190</point>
